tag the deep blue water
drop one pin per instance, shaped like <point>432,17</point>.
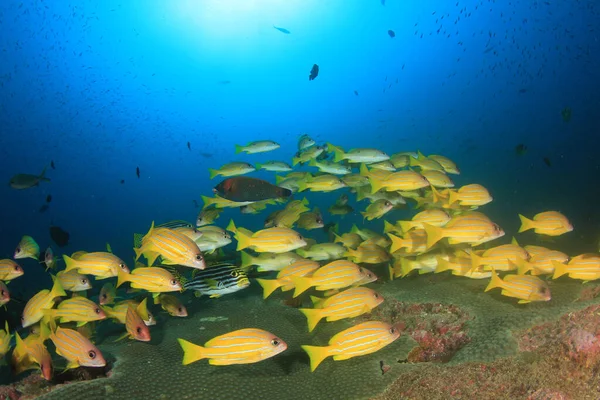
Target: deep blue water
<point>104,87</point>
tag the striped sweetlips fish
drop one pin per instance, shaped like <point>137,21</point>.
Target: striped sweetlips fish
<point>216,280</point>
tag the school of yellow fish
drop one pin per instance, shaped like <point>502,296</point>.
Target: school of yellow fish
<point>443,236</point>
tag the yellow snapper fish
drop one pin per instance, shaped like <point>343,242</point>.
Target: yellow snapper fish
<point>355,181</point>
<point>414,242</point>
<point>320,183</point>
<point>231,169</point>
<point>470,195</point>
<point>284,280</point>
<point>377,209</point>
<point>26,181</point>
<point>311,220</point>
<point>213,238</point>
<point>474,228</point>
<point>401,180</point>
<point>551,223</point>
<point>323,251</point>
<point>438,179</point>
<point>347,304</point>
<point>400,160</point>
<point>4,294</point>
<point>584,266</point>
<point>393,197</point>
<point>152,279</point>
<point>287,217</point>
<point>190,232</point>
<point>384,166</point>
<point>527,288</point>
<point>269,261</point>
<point>340,210</point>
<point>43,300</point>
<point>275,166</point>
<point>330,167</point>
<point>32,354</point>
<point>255,208</point>
<point>424,263</point>
<point>506,257</point>
<point>107,295</point>
<point>119,311</point>
<point>76,309</point>
<point>73,281</point>
<point>335,275</point>
<point>135,326</point>
<point>306,155</point>
<point>9,270</point>
<point>305,142</point>
<point>5,338</point>
<point>244,346</point>
<point>171,304</point>
<point>543,264</point>
<point>350,240</point>
<point>102,265</point>
<point>27,248</point>
<point>448,165</point>
<point>49,259</point>
<point>220,202</point>
<point>432,216</point>
<point>76,349</point>
<point>270,240</point>
<point>367,156</point>
<point>368,253</point>
<point>173,247</point>
<point>461,266</point>
<point>535,251</point>
<point>207,216</point>
<point>425,163</point>
<point>365,338</point>
<point>260,146</point>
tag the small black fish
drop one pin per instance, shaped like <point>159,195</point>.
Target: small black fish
<point>189,146</point>
<point>195,204</point>
<point>206,155</point>
<point>520,149</point>
<point>44,208</point>
<point>523,90</point>
<point>137,171</point>
<point>356,92</point>
<point>547,161</point>
<point>282,30</point>
<point>392,33</point>
<point>314,72</point>
<point>59,236</point>
<point>52,164</point>
<point>122,181</point>
<point>48,198</point>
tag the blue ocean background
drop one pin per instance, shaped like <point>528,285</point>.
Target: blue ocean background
<point>101,88</point>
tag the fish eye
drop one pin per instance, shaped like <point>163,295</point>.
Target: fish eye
<point>275,342</point>
<point>122,266</point>
<point>199,257</point>
<point>92,354</point>
<point>235,274</point>
<point>376,295</point>
<point>180,309</point>
<point>17,268</point>
<point>18,250</point>
<point>300,237</point>
<point>22,318</point>
<point>393,330</point>
<point>104,296</point>
<point>173,282</point>
<point>2,292</point>
<point>84,281</point>
<point>138,330</point>
<point>97,311</point>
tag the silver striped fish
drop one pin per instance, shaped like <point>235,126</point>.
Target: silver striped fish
<point>216,280</point>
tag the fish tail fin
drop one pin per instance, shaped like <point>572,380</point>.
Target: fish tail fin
<point>302,284</point>
<point>295,161</point>
<point>244,240</point>
<point>495,282</point>
<point>238,149</point>
<point>269,286</point>
<point>405,225</point>
<point>338,238</point>
<point>57,289</point>
<point>213,172</point>
<point>302,253</point>
<point>208,201</point>
<point>397,243</point>
<point>42,176</point>
<point>313,316</point>
<point>279,179</point>
<point>434,234</point>
<point>247,260</point>
<point>338,153</point>
<point>231,227</point>
<point>317,301</point>
<point>302,184</point>
<point>121,277</point>
<point>406,266</point>
<point>316,354</point>
<point>442,265</point>
<point>526,223</point>
<point>364,171</point>
<point>313,163</point>
<point>351,253</point>
<point>525,267</point>
<point>191,352</point>
<point>452,197</point>
<point>559,269</point>
<point>476,261</point>
<point>514,241</point>
<point>138,252</point>
<point>388,227</point>
<point>376,184</point>
<point>69,262</point>
<point>257,166</point>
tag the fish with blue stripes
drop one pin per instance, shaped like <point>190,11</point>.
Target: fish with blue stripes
<point>216,280</point>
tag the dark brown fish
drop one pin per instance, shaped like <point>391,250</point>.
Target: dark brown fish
<point>189,146</point>
<point>137,172</point>
<point>48,198</point>
<point>241,188</point>
<point>314,72</point>
<point>59,235</point>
